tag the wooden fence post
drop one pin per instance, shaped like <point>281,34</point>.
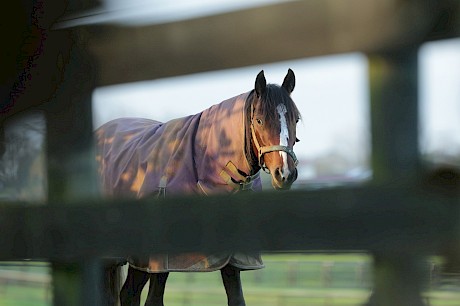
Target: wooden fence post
<point>71,165</point>
<point>395,160</point>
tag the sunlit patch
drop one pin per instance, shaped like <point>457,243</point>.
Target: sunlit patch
<point>109,140</point>
<point>150,167</point>
<point>173,144</point>
<point>100,133</point>
<point>284,137</point>
<point>128,137</point>
<point>126,176</point>
<point>138,181</point>
<point>154,264</point>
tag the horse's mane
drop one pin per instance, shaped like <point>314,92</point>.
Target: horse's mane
<point>273,96</point>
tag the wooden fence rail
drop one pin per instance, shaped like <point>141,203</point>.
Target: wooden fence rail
<point>375,218</point>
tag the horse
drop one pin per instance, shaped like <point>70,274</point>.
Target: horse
<point>219,150</point>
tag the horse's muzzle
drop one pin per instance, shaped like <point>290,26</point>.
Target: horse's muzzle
<point>281,181</point>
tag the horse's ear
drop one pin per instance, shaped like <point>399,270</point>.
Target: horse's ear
<point>261,84</point>
<point>289,81</point>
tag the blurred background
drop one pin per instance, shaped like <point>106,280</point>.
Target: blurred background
<point>332,94</point>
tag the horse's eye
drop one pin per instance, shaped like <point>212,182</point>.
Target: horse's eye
<point>259,121</point>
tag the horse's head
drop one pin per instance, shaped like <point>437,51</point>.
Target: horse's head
<point>273,129</point>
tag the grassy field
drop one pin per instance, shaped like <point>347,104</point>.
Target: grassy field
<point>287,280</point>
<point>291,280</point>
<point>25,283</point>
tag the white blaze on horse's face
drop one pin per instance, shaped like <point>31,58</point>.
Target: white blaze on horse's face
<point>284,139</point>
<point>274,143</point>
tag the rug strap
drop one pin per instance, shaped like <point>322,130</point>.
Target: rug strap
<point>162,187</point>
<point>236,179</point>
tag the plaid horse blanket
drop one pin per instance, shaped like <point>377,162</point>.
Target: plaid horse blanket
<point>198,154</point>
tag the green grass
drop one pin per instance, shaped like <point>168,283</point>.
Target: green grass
<point>288,280</point>
<point>17,295</point>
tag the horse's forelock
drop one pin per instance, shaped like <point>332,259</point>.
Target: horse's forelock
<point>274,95</point>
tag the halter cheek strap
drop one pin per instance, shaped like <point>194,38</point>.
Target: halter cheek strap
<point>266,149</point>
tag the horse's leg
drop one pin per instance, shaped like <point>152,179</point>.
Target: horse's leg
<point>156,289</point>
<point>130,294</point>
<point>232,283</point>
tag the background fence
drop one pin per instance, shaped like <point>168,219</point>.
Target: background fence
<point>288,279</point>
<point>401,217</point>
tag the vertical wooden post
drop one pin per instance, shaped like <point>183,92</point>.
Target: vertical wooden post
<point>71,164</point>
<point>395,160</point>
<point>394,116</point>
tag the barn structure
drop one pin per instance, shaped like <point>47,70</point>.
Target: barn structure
<point>52,60</point>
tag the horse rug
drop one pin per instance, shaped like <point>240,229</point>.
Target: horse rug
<point>198,154</point>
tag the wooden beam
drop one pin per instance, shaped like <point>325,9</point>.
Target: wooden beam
<point>272,33</point>
<point>382,219</point>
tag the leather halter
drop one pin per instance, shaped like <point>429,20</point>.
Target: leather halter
<point>266,149</point>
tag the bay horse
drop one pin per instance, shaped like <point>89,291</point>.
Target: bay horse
<point>220,150</point>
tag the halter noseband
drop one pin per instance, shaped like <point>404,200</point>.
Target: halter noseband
<point>266,149</point>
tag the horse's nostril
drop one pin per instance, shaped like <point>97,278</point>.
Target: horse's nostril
<point>279,175</point>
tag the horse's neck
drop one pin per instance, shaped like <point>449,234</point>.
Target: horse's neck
<point>221,138</point>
